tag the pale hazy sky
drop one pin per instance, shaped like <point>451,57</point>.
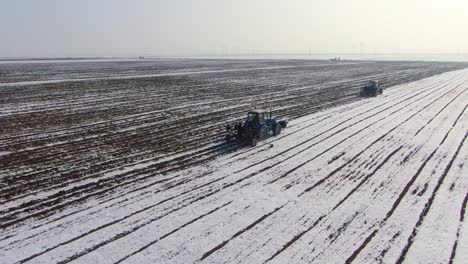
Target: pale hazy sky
<point>170,27</point>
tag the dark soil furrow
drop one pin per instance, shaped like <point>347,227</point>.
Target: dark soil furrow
<point>428,204</point>
<point>240,232</point>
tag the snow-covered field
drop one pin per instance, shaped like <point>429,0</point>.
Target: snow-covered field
<point>357,180</point>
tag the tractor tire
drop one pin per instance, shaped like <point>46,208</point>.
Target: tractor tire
<point>263,133</point>
<point>253,142</point>
<point>277,130</point>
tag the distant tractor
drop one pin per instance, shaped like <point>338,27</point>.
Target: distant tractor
<point>373,88</point>
<point>258,125</point>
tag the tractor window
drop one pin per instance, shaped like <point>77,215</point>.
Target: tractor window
<point>261,118</point>
<point>252,117</point>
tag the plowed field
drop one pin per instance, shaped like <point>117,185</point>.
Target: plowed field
<point>125,162</point>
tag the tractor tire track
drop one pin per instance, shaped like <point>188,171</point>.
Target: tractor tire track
<point>428,204</point>
<point>403,193</point>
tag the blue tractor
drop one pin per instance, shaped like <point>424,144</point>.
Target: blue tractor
<point>373,88</point>
<point>258,125</point>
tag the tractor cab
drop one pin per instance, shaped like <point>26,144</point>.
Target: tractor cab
<point>258,118</point>
<point>255,117</point>
<point>373,84</point>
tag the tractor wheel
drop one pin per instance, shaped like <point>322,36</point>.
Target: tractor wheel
<point>381,91</point>
<point>253,142</point>
<point>263,133</point>
<point>277,130</point>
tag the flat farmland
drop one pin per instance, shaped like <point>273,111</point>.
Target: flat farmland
<point>109,162</point>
